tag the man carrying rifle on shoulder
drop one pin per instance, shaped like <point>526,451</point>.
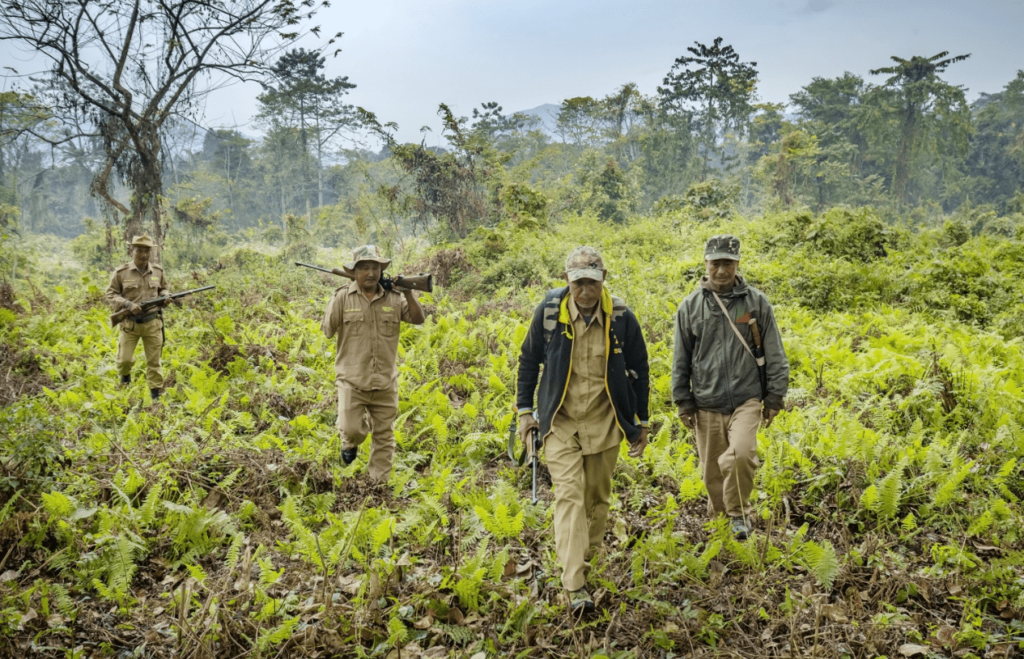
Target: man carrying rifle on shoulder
<point>132,284</point>
<point>365,319</point>
<point>594,394</point>
<point>729,373</point>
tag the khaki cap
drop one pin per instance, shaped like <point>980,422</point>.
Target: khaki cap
<point>367,253</point>
<point>143,241</point>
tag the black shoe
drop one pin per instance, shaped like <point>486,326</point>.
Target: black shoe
<point>154,394</point>
<point>126,379</point>
<point>580,603</point>
<point>348,456</point>
<point>739,528</point>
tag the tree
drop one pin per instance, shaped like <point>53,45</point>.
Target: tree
<point>305,98</point>
<point>120,69</point>
<point>715,89</point>
<point>447,185</point>
<point>996,160</point>
<point>923,101</point>
<point>579,120</point>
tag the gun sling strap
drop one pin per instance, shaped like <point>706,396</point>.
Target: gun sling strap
<point>758,360</point>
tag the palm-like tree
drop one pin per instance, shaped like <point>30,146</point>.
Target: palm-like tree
<point>918,84</point>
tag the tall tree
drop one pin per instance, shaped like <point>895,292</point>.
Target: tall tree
<point>715,88</point>
<point>923,98</point>
<point>301,96</point>
<point>125,67</point>
<point>996,161</point>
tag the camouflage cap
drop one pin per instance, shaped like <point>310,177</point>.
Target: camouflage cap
<point>143,241</point>
<point>367,253</point>
<point>723,246</point>
<point>584,263</point>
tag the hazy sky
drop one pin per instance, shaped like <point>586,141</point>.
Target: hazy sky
<point>407,56</point>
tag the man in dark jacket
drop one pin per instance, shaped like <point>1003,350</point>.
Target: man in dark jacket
<point>716,384</point>
<point>594,394</point>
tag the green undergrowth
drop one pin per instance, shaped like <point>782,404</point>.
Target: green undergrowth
<point>220,521</point>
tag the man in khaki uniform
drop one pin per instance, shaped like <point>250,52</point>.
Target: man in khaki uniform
<point>716,383</point>
<point>135,282</point>
<point>594,394</point>
<point>365,320</point>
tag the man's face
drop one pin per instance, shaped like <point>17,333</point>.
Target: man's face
<point>367,275</point>
<point>140,256</point>
<point>721,273</point>
<point>586,293</point>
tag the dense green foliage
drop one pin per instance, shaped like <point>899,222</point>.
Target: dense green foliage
<point>220,519</point>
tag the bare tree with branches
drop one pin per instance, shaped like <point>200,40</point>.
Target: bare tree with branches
<point>120,69</point>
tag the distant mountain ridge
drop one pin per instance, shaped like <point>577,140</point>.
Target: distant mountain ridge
<point>548,115</point>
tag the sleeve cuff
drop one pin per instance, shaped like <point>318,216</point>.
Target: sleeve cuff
<point>689,407</point>
<point>774,402</point>
<point>524,410</point>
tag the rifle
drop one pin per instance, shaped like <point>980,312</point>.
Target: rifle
<point>762,367</point>
<point>118,316</point>
<point>421,282</point>
<point>534,455</point>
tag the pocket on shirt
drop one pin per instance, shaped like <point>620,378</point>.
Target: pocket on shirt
<point>389,326</point>
<point>353,323</point>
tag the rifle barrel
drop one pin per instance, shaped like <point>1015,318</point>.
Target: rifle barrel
<point>314,267</point>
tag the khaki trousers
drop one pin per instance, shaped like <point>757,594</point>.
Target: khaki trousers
<point>361,412</point>
<point>152,342</point>
<point>727,446</point>
<point>583,488</point>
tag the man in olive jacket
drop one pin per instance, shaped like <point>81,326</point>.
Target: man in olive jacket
<point>716,385</point>
<point>594,394</point>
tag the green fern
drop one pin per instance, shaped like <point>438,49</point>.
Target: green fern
<point>398,633</point>
<point>889,493</point>
<point>148,511</point>
<point>944,495</point>
<point>502,523</point>
<point>458,635</point>
<point>58,504</point>
<point>277,635</point>
<point>909,523</point>
<point>822,561</point>
<point>234,551</point>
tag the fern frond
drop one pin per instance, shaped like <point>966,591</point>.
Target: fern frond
<point>277,635</point>
<point>822,561</point>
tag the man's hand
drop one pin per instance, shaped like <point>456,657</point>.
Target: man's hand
<point>689,419</point>
<point>134,308</point>
<point>768,415</point>
<point>527,423</point>
<point>637,450</point>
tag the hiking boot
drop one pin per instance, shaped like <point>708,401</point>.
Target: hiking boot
<point>348,456</point>
<point>740,528</point>
<point>154,394</point>
<point>126,379</point>
<point>580,603</point>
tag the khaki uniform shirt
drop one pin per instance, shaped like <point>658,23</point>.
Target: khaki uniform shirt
<point>127,284</point>
<point>367,336</point>
<point>586,410</point>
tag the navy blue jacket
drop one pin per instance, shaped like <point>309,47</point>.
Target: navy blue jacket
<point>626,372</point>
